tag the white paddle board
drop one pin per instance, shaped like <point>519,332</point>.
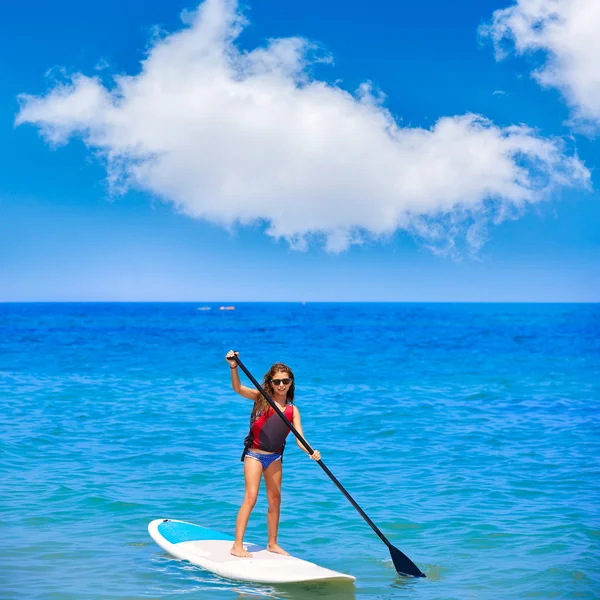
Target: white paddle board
<point>211,550</point>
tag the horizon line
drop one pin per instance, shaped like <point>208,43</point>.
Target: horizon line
<point>303,302</point>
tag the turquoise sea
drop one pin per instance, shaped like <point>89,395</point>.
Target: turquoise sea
<point>469,433</point>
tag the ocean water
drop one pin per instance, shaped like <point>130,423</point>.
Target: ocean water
<point>470,434</point>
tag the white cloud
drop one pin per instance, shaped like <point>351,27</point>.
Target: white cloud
<point>244,137</point>
<point>568,33</point>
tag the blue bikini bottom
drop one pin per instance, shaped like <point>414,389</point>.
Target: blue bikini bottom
<point>266,460</point>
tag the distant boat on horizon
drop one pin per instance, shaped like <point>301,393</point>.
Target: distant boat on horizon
<point>226,307</point>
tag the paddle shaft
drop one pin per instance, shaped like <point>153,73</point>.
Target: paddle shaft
<point>311,451</point>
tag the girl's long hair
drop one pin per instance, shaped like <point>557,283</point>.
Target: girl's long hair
<point>260,404</point>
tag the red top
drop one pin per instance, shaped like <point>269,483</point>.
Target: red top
<point>269,431</point>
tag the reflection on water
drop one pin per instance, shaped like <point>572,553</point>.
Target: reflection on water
<point>186,578</point>
<point>342,590</point>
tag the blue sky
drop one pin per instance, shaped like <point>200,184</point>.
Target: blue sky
<point>334,213</point>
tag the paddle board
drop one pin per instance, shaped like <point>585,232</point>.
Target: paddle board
<point>211,550</point>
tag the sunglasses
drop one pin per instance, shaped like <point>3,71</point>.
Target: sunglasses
<point>280,381</point>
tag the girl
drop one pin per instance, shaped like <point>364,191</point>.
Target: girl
<point>264,446</point>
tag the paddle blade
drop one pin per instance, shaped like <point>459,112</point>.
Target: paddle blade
<point>403,564</point>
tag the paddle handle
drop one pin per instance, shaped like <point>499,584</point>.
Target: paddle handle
<point>311,451</point>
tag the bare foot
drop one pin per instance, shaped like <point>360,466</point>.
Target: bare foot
<point>276,549</point>
<point>240,551</point>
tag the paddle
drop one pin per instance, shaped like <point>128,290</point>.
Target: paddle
<point>403,564</point>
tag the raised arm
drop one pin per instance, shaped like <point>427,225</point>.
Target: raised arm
<point>242,390</point>
<point>297,423</point>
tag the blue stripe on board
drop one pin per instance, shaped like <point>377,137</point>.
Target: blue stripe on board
<point>176,532</point>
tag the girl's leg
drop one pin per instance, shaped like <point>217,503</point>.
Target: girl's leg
<point>272,476</point>
<point>252,473</point>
